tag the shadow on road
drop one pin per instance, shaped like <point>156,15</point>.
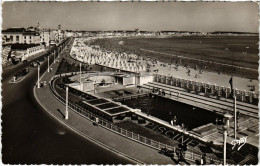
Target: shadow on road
<point>185,162</point>
<point>61,113</point>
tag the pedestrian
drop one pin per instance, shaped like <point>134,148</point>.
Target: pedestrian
<point>182,126</point>
<point>163,92</point>
<point>178,155</point>
<point>175,120</point>
<point>204,158</point>
<point>211,161</point>
<point>201,160</point>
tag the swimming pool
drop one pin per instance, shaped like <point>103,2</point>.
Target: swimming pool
<point>166,109</point>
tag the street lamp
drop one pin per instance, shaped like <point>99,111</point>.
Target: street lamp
<point>235,116</point>
<point>48,64</point>
<point>224,144</point>
<point>67,98</point>
<point>80,76</point>
<point>54,58</point>
<point>225,127</point>
<point>227,117</point>
<point>38,83</point>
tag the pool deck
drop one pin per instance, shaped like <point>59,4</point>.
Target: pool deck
<point>136,152</point>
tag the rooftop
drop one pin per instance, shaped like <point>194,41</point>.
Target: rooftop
<point>14,29</point>
<point>20,30</point>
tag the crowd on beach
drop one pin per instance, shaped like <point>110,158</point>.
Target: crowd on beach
<point>147,59</point>
<point>177,59</point>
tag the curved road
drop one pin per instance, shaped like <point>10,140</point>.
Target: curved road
<point>32,136</point>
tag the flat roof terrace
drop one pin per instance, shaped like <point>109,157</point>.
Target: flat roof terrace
<point>107,107</point>
<point>97,101</point>
<point>118,110</point>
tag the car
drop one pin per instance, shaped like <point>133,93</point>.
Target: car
<point>25,71</point>
<point>33,64</point>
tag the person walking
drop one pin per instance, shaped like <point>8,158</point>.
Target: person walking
<point>201,160</point>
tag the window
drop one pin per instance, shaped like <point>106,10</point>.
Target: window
<point>30,37</point>
<point>11,38</point>
<point>17,38</point>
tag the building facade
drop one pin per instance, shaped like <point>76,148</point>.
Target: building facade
<point>45,38</point>
<point>20,36</point>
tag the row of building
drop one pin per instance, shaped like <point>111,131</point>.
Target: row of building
<point>32,35</point>
<point>38,35</point>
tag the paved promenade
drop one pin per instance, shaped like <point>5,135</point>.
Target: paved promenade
<point>107,139</point>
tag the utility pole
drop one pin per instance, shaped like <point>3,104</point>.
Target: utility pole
<point>38,82</point>
<point>67,98</point>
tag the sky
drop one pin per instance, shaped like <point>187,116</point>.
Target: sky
<point>151,16</point>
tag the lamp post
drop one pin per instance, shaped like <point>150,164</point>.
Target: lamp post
<point>227,118</point>
<point>224,144</point>
<point>235,116</point>
<point>67,98</point>
<point>54,58</point>
<point>38,82</point>
<point>48,64</point>
<point>80,76</point>
<point>225,127</point>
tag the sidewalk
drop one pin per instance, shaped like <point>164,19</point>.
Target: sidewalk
<point>105,138</point>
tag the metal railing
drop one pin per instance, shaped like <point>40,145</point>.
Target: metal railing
<point>123,132</point>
